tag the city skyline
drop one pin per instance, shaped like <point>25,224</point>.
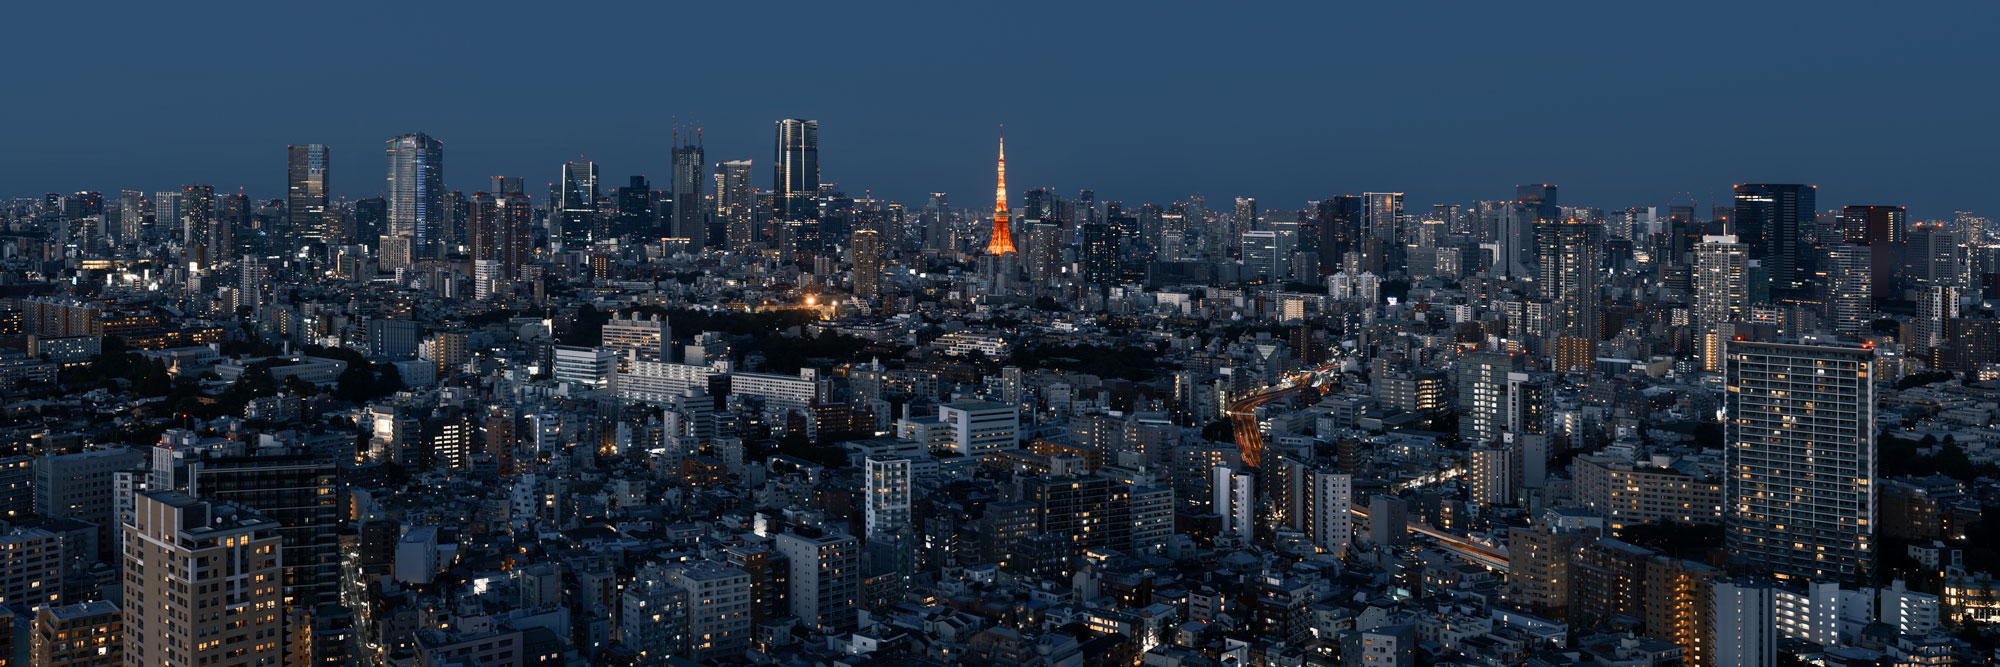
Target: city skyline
<point>1633,126</point>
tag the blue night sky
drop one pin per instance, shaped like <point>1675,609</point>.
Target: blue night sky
<point>1621,104</point>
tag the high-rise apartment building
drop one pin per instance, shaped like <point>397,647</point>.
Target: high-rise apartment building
<point>1097,252</point>
<point>91,634</point>
<point>637,338</point>
<point>1482,394</point>
<point>197,225</point>
<point>1800,457</point>
<point>202,584</point>
<point>306,173</point>
<point>888,494</point>
<point>736,204</point>
<point>1571,279</point>
<point>1846,284</point>
<point>416,191</point>
<point>1721,294</point>
<point>868,251</point>
<point>825,577</point>
<point>501,225</point>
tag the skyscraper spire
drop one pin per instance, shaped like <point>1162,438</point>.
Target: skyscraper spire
<point>1003,241</point>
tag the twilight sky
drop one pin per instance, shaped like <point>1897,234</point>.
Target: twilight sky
<point>1621,104</point>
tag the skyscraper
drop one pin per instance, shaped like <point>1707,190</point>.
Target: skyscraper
<point>1539,198</point>
<point>1002,241</point>
<point>690,220</point>
<point>635,207</point>
<point>576,210</point>
<point>1385,215</point>
<point>867,248</point>
<point>888,495</point>
<point>1770,218</point>
<point>1885,230</point>
<point>197,221</point>
<point>736,204</point>
<point>796,170</point>
<point>1098,252</point>
<point>131,217</point>
<point>1848,277</point>
<point>295,490</point>
<point>306,172</point>
<point>1800,458</point>
<point>500,227</point>
<point>1721,294</point>
<point>416,185</point>
<point>1341,225</point>
<point>1571,280</point>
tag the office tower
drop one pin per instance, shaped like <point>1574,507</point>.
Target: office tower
<point>635,208</point>
<point>1002,240</point>
<point>1885,230</point>
<point>1097,245</point>
<point>1570,281</point>
<point>1800,458</point>
<point>454,219</point>
<point>638,338</point>
<point>197,223</point>
<point>736,204</point>
<point>1244,218</point>
<point>416,186</point>
<point>1771,219</point>
<point>500,227</point>
<point>825,576</point>
<point>938,229</point>
<point>1261,256</point>
<point>1721,294</point>
<point>1482,394</point>
<point>306,190</point>
<point>1341,225</point>
<point>796,170</point>
<point>868,250</point>
<point>888,494</point>
<point>201,584</point>
<point>508,185</point>
<point>690,219</point>
<point>981,429</point>
<point>91,634</point>
<point>1384,217</point>
<point>78,486</point>
<point>576,208</point>
<point>1044,251</point>
<point>1539,199</point>
<point>1932,257</point>
<point>168,211</point>
<point>131,217</point>
<point>1848,278</point>
<point>232,213</point>
<point>297,492</point>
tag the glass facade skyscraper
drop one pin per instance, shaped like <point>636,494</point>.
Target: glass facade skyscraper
<point>416,186</point>
<point>306,172</point>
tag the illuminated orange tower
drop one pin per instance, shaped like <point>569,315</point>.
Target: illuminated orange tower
<point>1003,241</point>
